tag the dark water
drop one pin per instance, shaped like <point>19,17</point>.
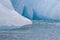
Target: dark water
<point>36,31</point>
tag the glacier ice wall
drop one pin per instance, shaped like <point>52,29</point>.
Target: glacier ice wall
<point>38,9</point>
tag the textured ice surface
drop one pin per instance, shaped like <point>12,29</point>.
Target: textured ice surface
<point>38,9</point>
<point>9,17</point>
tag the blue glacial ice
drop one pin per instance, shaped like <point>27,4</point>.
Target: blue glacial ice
<point>38,9</point>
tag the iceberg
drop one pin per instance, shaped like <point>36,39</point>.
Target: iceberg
<point>45,9</point>
<point>9,17</point>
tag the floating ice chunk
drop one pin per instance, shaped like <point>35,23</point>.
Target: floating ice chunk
<point>11,17</point>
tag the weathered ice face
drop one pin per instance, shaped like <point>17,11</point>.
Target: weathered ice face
<point>47,9</point>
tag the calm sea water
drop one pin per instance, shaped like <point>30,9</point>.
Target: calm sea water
<point>37,31</point>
